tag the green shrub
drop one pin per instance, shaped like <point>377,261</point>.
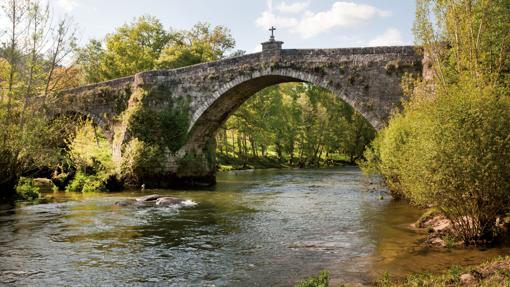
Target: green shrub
<point>93,185</point>
<point>138,160</point>
<point>452,152</point>
<point>26,190</point>
<point>86,183</point>
<point>90,151</point>
<point>91,155</point>
<point>321,280</point>
<point>450,146</point>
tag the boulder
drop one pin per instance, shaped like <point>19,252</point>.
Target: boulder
<point>146,198</point>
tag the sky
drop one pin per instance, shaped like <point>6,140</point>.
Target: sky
<point>299,23</point>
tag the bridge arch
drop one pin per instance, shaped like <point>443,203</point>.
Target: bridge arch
<point>229,97</point>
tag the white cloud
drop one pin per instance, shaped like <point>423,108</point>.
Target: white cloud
<point>341,14</point>
<point>296,7</point>
<point>390,37</point>
<point>67,5</point>
<point>268,19</point>
<point>309,24</point>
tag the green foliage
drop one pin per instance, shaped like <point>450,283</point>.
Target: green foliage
<point>144,44</point>
<point>449,147</point>
<point>321,280</point>
<point>299,124</point>
<point>452,152</point>
<point>90,151</point>
<point>132,48</point>
<point>201,44</point>
<point>477,37</point>
<point>139,159</point>
<point>384,280</point>
<point>166,128</point>
<point>61,180</point>
<point>86,183</point>
<point>28,65</point>
<point>27,190</point>
<point>153,133</point>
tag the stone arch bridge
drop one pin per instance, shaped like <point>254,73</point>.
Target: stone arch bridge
<point>162,124</point>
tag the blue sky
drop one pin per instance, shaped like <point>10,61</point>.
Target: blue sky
<point>299,23</point>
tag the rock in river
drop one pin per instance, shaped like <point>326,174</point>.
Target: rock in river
<point>151,199</point>
<point>126,202</point>
<point>146,198</point>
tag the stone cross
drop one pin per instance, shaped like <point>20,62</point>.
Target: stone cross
<point>272,33</point>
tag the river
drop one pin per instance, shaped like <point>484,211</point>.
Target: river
<point>255,228</point>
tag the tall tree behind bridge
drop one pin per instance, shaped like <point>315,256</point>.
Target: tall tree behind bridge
<point>296,124</point>
<point>145,44</point>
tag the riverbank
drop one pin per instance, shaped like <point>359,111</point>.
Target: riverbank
<point>228,163</point>
<point>495,272</point>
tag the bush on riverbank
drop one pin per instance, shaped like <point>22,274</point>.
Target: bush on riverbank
<point>450,145</point>
<point>91,155</point>
<point>321,280</point>
<point>86,183</point>
<point>454,153</point>
<point>27,190</point>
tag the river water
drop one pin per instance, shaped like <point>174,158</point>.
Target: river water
<point>255,228</point>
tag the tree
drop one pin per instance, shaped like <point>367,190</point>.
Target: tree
<point>29,57</point>
<point>132,48</point>
<point>200,44</point>
<point>144,44</point>
<point>450,145</point>
<point>298,124</point>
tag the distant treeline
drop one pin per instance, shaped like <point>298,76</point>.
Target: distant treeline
<point>293,124</point>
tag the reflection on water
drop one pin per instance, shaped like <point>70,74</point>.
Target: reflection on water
<point>256,228</point>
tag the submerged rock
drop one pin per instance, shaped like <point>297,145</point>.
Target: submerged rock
<point>166,201</point>
<point>156,199</point>
<point>126,202</point>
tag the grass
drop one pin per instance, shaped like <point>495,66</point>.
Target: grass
<point>495,272</point>
<point>321,280</point>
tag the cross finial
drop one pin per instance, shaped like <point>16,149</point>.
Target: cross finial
<point>272,29</point>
